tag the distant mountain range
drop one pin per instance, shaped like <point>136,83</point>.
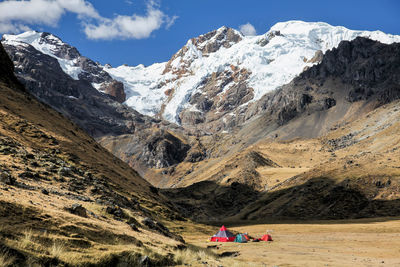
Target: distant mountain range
<point>214,80</point>
<point>222,116</point>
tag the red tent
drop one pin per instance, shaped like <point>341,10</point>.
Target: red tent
<point>266,238</point>
<point>223,235</point>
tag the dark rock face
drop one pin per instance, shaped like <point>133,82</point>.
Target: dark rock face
<point>163,150</point>
<point>92,72</point>
<point>6,178</point>
<point>265,40</point>
<point>7,69</point>
<point>116,211</point>
<point>62,50</point>
<point>370,67</point>
<point>221,94</point>
<point>205,201</point>
<point>159,227</point>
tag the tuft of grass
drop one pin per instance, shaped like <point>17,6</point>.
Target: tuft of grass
<point>6,260</point>
<point>26,239</point>
<point>194,254</point>
<point>57,250</point>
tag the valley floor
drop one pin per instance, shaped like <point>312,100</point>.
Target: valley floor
<point>327,243</point>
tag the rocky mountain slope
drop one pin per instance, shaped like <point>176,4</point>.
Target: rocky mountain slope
<point>70,60</point>
<point>65,200</point>
<point>328,153</point>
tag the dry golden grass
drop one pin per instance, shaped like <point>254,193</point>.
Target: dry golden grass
<point>57,250</point>
<point>26,239</point>
<point>6,260</point>
<point>192,255</point>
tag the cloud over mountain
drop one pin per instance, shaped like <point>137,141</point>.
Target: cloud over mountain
<point>17,16</point>
<point>247,29</point>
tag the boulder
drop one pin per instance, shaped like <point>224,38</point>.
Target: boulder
<point>115,210</point>
<point>77,209</point>
<point>6,178</point>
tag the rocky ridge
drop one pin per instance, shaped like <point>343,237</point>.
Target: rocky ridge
<point>70,60</point>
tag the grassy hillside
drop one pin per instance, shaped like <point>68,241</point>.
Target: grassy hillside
<point>67,201</point>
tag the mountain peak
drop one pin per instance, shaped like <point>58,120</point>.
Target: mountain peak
<point>44,42</point>
<point>68,57</point>
<point>214,40</point>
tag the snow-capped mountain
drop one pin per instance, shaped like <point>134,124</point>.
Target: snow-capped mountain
<point>48,44</point>
<point>214,77</point>
<point>70,60</point>
<point>260,63</point>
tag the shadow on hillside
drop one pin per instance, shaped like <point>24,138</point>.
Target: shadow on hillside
<point>208,201</point>
<point>319,200</point>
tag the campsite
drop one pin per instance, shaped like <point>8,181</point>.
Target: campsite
<point>361,242</point>
<point>224,235</point>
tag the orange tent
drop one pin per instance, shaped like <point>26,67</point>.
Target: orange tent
<point>266,238</point>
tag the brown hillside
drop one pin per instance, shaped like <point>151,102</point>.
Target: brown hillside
<point>65,200</point>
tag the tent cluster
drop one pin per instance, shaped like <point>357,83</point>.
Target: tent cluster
<point>224,235</point>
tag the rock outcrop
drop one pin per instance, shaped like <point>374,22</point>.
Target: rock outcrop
<point>163,149</point>
<point>114,89</point>
<point>368,66</point>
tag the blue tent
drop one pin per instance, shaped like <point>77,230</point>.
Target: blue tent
<point>241,238</point>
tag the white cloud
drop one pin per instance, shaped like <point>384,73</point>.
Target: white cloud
<point>247,29</point>
<point>127,27</point>
<point>170,21</point>
<point>16,16</point>
<point>13,28</point>
<point>80,7</point>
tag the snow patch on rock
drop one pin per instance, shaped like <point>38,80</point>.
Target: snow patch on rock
<point>48,46</point>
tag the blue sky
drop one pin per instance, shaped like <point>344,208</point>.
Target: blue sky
<point>146,31</point>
